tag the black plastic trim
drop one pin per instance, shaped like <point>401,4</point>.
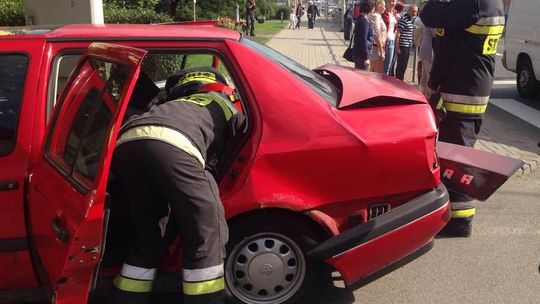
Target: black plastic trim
<point>389,268</point>
<point>9,186</point>
<point>392,220</point>
<point>13,245</point>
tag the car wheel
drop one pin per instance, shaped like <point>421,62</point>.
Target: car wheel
<point>267,263</point>
<point>527,84</point>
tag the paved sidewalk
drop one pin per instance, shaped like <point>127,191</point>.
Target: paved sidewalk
<point>500,133</point>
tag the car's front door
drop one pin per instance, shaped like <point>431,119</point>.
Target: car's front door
<point>67,184</point>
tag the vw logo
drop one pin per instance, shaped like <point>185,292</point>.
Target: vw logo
<point>266,270</point>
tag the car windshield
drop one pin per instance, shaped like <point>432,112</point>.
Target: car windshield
<point>316,82</point>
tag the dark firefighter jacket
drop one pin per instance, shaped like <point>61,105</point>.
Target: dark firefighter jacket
<point>208,126</point>
<point>468,32</point>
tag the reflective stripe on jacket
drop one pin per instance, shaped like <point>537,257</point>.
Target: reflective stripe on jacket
<point>468,32</point>
<point>206,120</point>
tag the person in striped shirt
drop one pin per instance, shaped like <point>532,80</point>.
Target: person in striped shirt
<point>404,40</point>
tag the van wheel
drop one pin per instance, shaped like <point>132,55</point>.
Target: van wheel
<point>527,84</point>
<point>267,263</point>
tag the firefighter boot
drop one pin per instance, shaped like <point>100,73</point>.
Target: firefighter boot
<point>458,227</point>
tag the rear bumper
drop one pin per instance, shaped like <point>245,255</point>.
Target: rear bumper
<point>365,249</point>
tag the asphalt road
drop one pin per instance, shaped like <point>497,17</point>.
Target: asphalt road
<point>500,263</point>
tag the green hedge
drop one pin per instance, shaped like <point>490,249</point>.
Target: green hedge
<point>115,14</point>
<point>286,12</point>
<point>11,13</point>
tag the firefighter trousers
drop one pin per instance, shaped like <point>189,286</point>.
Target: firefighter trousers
<point>162,180</point>
<point>460,132</point>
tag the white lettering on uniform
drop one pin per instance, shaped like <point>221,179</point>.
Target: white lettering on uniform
<point>448,173</point>
<point>466,179</point>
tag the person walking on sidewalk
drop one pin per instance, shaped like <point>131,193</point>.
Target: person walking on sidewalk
<point>250,17</point>
<point>299,14</point>
<point>312,13</point>
<point>363,37</point>
<point>292,19</point>
<point>390,17</point>
<point>404,40</point>
<point>461,78</point>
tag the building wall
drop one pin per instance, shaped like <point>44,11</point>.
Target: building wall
<point>46,12</point>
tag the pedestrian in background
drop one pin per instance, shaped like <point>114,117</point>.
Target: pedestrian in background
<point>363,37</point>
<point>465,44</point>
<point>312,13</point>
<point>250,17</point>
<point>390,18</point>
<point>299,14</point>
<point>379,31</point>
<point>404,40</point>
<point>292,19</point>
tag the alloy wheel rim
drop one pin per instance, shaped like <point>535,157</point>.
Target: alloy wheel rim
<point>266,268</point>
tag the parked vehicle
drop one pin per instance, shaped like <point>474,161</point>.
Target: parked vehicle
<point>315,177</point>
<point>522,46</point>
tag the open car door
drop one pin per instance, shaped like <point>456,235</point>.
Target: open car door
<point>67,200</point>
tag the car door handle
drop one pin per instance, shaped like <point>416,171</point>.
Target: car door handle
<point>59,230</point>
<point>8,186</point>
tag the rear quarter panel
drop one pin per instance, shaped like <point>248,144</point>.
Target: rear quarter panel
<point>309,158</point>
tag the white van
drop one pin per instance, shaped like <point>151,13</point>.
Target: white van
<point>522,45</point>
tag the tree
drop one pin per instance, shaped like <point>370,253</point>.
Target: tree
<point>11,13</point>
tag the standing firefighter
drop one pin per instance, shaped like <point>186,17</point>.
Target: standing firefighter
<point>467,34</point>
<point>164,159</point>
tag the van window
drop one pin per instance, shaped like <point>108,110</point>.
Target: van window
<point>13,69</point>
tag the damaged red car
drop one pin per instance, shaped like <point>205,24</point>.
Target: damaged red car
<point>335,166</point>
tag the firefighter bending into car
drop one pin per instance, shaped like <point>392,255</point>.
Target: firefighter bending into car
<point>163,159</point>
<point>467,34</point>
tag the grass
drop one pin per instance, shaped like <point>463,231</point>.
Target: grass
<point>268,29</point>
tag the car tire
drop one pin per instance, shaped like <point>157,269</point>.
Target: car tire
<point>527,85</point>
<point>267,263</point>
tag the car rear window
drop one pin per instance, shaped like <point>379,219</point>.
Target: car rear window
<point>12,75</point>
<point>316,82</point>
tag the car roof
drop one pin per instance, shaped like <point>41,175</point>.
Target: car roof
<point>205,30</point>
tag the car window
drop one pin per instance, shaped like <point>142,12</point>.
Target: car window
<point>13,69</point>
<point>158,66</point>
<point>78,149</point>
<point>316,82</point>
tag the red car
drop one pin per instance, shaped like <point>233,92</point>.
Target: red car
<point>335,166</point>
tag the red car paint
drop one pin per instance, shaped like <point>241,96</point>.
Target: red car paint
<point>302,155</point>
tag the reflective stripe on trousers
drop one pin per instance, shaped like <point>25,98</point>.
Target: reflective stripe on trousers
<point>135,279</point>
<point>203,281</point>
<point>463,213</point>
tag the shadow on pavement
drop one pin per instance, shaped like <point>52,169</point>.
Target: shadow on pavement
<point>332,290</point>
